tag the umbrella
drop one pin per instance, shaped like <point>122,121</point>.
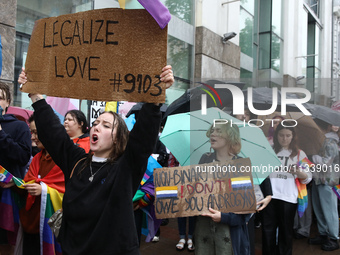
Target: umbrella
<point>137,107</point>
<point>310,136</point>
<point>191,99</point>
<point>185,136</point>
<point>325,114</point>
<point>21,113</point>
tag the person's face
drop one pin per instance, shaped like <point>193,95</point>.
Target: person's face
<point>34,136</point>
<point>216,140</point>
<point>285,137</point>
<point>4,103</point>
<point>71,125</point>
<point>335,129</point>
<point>103,135</point>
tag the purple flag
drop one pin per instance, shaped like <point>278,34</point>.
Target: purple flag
<point>158,11</point>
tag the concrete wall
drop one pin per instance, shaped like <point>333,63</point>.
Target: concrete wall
<point>8,10</point>
<point>214,59</point>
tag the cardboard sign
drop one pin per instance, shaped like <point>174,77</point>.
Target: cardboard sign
<point>191,190</point>
<point>102,55</point>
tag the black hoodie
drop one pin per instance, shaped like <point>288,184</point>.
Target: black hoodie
<point>15,145</point>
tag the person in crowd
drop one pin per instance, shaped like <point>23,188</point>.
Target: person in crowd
<point>280,212</point>
<point>324,200</point>
<point>42,170</point>
<point>15,153</point>
<point>182,221</point>
<point>276,120</point>
<point>143,202</point>
<point>216,232</point>
<point>265,189</point>
<point>76,127</point>
<point>97,205</point>
<point>248,115</point>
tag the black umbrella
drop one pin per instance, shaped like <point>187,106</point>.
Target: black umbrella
<point>325,114</point>
<point>191,100</point>
<point>137,107</point>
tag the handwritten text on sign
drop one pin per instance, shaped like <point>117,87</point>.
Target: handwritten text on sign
<point>103,55</point>
<point>191,190</point>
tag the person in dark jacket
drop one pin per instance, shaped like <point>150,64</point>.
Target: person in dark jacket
<point>97,205</point>
<point>15,152</point>
<point>224,233</point>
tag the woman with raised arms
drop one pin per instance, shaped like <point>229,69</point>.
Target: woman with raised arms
<point>97,205</point>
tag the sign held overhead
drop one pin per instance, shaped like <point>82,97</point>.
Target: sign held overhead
<point>102,55</point>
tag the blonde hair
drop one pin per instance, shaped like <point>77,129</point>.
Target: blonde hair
<point>229,132</point>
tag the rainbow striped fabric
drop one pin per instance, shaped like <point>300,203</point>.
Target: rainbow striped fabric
<point>51,201</point>
<point>336,190</point>
<point>241,183</point>
<point>305,163</point>
<point>166,192</point>
<point>302,197</point>
<point>9,216</point>
<point>5,176</point>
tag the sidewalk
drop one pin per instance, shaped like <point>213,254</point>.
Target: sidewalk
<point>169,238</point>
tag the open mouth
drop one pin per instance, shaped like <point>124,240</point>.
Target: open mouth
<point>94,138</point>
<point>212,140</point>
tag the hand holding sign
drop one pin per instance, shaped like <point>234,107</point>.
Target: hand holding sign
<point>214,215</point>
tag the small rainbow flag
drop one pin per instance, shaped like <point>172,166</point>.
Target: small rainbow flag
<point>305,163</point>
<point>241,183</point>
<point>5,176</point>
<point>336,190</point>
<point>166,192</point>
<point>302,197</point>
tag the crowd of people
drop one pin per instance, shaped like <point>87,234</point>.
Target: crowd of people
<point>95,174</point>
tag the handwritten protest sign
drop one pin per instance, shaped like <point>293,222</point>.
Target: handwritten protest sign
<point>191,190</point>
<point>102,55</point>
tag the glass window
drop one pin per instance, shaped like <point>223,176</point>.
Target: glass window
<point>317,46</point>
<point>276,17</point>
<point>180,57</point>
<point>276,53</point>
<point>264,51</point>
<point>246,32</point>
<point>182,9</point>
<point>265,16</point>
<point>248,5</point>
<point>28,11</point>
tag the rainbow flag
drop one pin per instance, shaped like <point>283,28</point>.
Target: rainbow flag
<point>241,183</point>
<point>336,190</point>
<point>302,197</point>
<point>51,201</point>
<point>305,163</point>
<point>5,176</point>
<point>9,216</point>
<point>166,192</point>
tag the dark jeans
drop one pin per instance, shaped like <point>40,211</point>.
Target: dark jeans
<point>279,214</point>
<point>182,226</point>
